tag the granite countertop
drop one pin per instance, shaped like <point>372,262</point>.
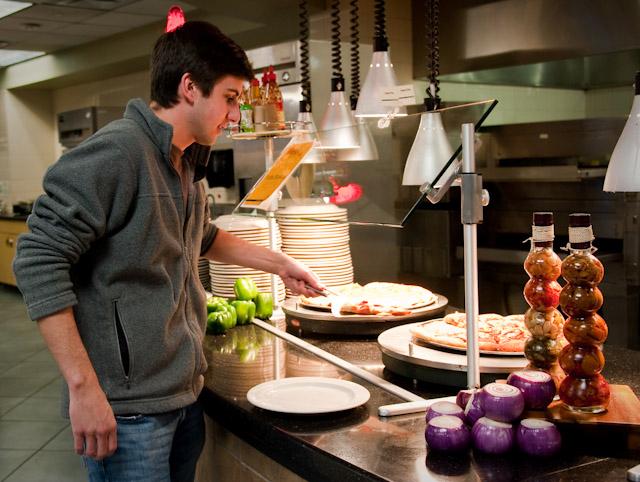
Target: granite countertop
<point>357,444</point>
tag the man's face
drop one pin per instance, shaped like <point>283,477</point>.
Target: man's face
<point>212,114</point>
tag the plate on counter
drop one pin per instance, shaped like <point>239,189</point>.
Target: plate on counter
<point>308,395</point>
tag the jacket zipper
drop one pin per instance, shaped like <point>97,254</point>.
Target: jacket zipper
<point>187,213</point>
<point>124,351</point>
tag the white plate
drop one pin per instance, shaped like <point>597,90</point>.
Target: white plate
<point>308,395</point>
<point>310,209</point>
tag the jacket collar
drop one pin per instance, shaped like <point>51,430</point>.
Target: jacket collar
<point>158,130</point>
<point>161,133</point>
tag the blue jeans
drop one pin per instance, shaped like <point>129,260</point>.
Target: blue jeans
<point>153,448</point>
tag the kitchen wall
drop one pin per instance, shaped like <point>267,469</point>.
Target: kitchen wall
<point>30,143</point>
<point>27,143</point>
<point>536,104</point>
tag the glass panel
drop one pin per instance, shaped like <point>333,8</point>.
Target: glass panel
<point>377,183</point>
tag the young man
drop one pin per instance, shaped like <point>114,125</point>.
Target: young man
<point>109,267</point>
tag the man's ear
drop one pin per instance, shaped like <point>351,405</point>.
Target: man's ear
<point>187,89</point>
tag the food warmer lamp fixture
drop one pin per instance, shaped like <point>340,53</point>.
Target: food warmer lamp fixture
<point>367,151</point>
<point>338,128</point>
<point>381,74</point>
<point>304,121</point>
<point>431,148</point>
<point>623,172</point>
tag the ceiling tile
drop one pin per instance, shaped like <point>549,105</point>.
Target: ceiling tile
<point>22,24</point>
<point>93,31</point>
<point>48,42</point>
<point>103,5</point>
<point>154,7</point>
<point>57,13</point>
<point>13,35</point>
<point>125,19</point>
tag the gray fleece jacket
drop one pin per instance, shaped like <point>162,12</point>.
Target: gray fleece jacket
<point>112,237</point>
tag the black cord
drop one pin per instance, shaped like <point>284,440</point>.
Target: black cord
<point>432,13</point>
<point>355,55</point>
<point>380,41</point>
<point>336,59</point>
<point>303,11</point>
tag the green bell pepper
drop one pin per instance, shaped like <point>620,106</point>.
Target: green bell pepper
<point>219,321</point>
<point>245,289</point>
<point>232,311</point>
<point>246,310</point>
<point>215,304</point>
<point>264,306</point>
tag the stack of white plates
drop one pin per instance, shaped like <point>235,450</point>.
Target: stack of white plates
<point>302,365</point>
<point>243,357</point>
<point>203,273</point>
<point>318,236</point>
<point>256,231</point>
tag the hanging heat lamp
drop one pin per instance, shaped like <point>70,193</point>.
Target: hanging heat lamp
<point>367,151</point>
<point>431,149</point>
<point>175,18</point>
<point>623,172</point>
<point>381,75</point>
<point>338,128</point>
<point>305,118</point>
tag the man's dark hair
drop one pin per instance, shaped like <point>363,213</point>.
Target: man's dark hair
<point>200,49</point>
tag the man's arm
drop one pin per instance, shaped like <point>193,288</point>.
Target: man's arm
<point>92,420</point>
<point>231,249</point>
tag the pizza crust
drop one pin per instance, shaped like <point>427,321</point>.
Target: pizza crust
<point>495,332</point>
<point>376,298</point>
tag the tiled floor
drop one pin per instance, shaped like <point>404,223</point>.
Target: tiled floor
<point>35,441</point>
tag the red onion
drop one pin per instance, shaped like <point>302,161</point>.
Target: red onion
<point>492,437</point>
<point>463,397</point>
<point>502,402</point>
<point>537,387</point>
<point>444,408</point>
<point>473,411</point>
<point>538,437</point>
<point>447,434</point>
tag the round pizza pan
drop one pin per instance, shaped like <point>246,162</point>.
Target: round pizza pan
<point>307,321</point>
<point>406,358</point>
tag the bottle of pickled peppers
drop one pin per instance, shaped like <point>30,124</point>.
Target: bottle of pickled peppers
<point>584,389</point>
<point>542,293</point>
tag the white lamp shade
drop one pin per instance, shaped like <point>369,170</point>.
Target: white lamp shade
<point>368,151</point>
<point>623,173</point>
<point>338,127</point>
<point>305,123</point>
<point>429,153</point>
<point>381,76</point>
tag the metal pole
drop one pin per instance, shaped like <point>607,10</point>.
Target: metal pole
<point>340,363</point>
<point>271,219</point>
<point>471,205</point>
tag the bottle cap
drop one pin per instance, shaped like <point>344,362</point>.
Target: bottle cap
<point>255,82</point>
<point>579,220</point>
<point>543,219</point>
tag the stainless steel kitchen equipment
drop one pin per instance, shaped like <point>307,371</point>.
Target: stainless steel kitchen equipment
<point>550,166</point>
<point>304,321</point>
<point>75,126</point>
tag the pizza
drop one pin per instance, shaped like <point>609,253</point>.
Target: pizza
<point>377,298</point>
<point>495,332</point>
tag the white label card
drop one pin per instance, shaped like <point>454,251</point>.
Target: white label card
<point>398,95</point>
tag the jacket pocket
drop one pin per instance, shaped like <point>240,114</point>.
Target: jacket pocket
<point>124,351</point>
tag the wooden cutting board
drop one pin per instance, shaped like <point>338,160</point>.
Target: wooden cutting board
<point>623,409</point>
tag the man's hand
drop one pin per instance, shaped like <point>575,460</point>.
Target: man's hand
<point>231,249</point>
<point>92,422</point>
<point>296,276</point>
